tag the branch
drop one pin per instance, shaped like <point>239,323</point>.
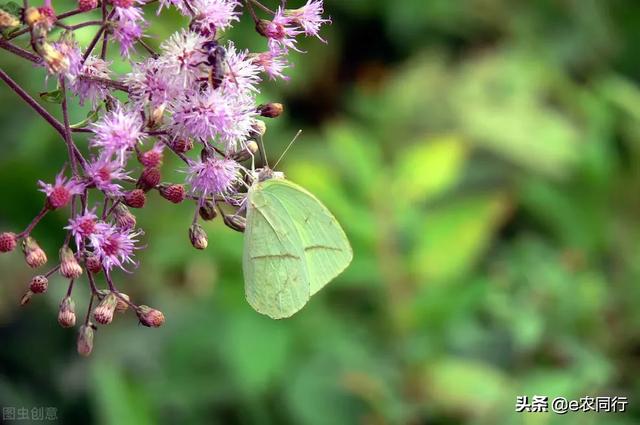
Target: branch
<point>36,106</point>
<point>20,52</point>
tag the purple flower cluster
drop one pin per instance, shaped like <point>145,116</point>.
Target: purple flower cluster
<point>195,91</point>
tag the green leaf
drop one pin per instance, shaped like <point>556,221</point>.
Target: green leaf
<point>454,236</point>
<point>92,116</point>
<point>428,168</point>
<point>12,8</point>
<point>54,96</point>
<point>464,385</point>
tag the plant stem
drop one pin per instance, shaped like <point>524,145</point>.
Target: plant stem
<point>36,106</point>
<point>34,222</point>
<point>107,82</point>
<point>25,54</point>
<point>71,147</point>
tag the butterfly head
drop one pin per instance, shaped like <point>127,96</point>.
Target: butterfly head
<point>267,173</point>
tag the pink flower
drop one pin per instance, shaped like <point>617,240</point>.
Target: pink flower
<point>148,82</point>
<point>181,55</point>
<point>62,57</point>
<point>309,17</point>
<point>102,172</point>
<point>214,15</point>
<point>114,246</point>
<point>87,89</point>
<point>241,74</point>
<point>213,114</point>
<point>60,192</point>
<point>117,132</point>
<point>83,226</point>
<point>125,10</point>
<point>272,63</point>
<point>127,32</point>
<point>213,176</point>
<point>178,4</point>
<point>281,32</point>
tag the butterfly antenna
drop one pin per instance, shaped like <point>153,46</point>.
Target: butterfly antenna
<point>263,152</point>
<point>288,146</point>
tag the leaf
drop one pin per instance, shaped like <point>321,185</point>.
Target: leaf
<point>453,236</point>
<point>92,116</point>
<point>54,96</point>
<point>464,385</point>
<point>428,168</point>
<point>504,106</point>
<point>12,8</point>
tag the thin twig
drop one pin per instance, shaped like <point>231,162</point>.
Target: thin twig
<point>25,54</point>
<point>36,106</point>
<point>34,222</point>
<point>107,82</point>
<point>263,7</point>
<point>71,147</point>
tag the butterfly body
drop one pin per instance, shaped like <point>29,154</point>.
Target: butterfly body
<point>293,246</point>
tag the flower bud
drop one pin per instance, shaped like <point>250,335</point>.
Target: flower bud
<point>93,263</point>
<point>122,304</point>
<point>173,193</point>
<point>182,145</point>
<point>85,340</point>
<point>270,29</point>
<point>124,218</point>
<point>87,5</point>
<point>135,199</point>
<point>69,266</point>
<point>33,254</point>
<point>7,20</point>
<point>206,153</point>
<point>152,158</point>
<point>198,236</point>
<point>246,153</point>
<point>156,117</point>
<point>235,222</point>
<point>26,298</point>
<point>208,210</point>
<point>150,317</point>
<point>32,16</point>
<point>8,241</point>
<point>271,110</point>
<point>149,179</point>
<point>55,60</point>
<point>258,129</point>
<point>67,313</point>
<point>39,284</point>
<point>103,313</point>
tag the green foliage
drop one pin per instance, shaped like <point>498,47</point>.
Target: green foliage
<point>483,159</point>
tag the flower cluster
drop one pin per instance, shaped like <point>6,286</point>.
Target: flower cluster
<point>194,91</point>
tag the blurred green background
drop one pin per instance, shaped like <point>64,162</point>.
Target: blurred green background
<point>484,159</point>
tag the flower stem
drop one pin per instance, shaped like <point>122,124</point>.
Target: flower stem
<point>34,222</point>
<point>20,52</point>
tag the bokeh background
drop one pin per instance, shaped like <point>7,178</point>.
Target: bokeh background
<point>484,159</point>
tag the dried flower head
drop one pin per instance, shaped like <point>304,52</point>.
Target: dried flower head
<point>39,284</point>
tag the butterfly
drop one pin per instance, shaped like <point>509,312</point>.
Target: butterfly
<point>293,246</point>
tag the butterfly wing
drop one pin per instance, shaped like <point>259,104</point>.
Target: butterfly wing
<point>325,247</point>
<point>275,273</point>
